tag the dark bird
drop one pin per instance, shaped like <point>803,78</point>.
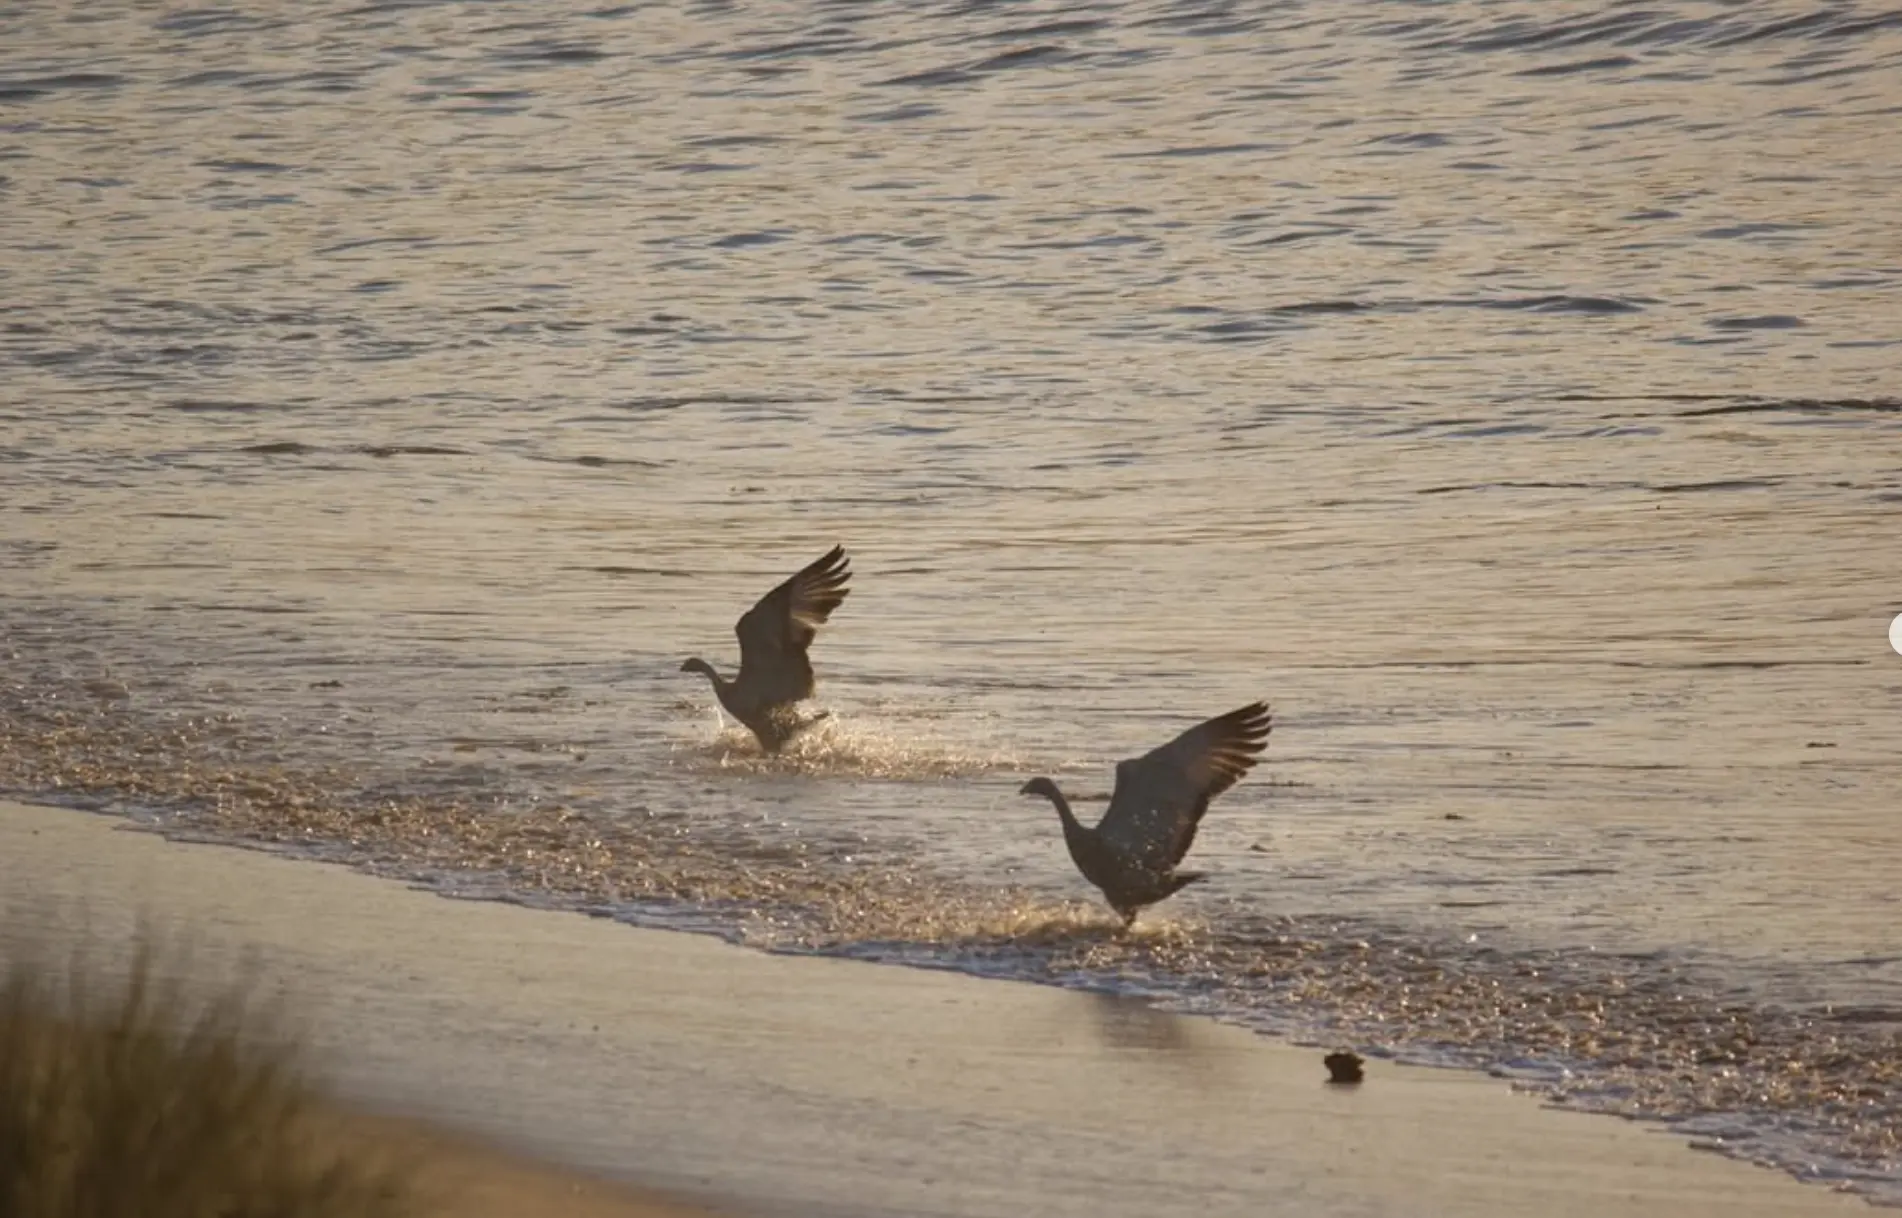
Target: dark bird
<point>1158,803</point>
<point>774,635</point>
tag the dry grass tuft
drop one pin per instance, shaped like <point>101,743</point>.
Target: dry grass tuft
<point>133,1099</point>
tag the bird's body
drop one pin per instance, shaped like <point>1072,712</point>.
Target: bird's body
<point>775,672</point>
<point>1158,803</point>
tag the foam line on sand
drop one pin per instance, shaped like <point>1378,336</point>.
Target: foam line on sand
<point>782,1085</point>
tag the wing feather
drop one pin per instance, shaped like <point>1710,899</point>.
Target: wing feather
<point>1160,797</point>
<point>775,633</point>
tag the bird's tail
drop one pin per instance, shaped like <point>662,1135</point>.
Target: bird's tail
<point>805,723</point>
<point>1182,879</point>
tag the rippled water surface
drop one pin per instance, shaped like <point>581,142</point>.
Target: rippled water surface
<point>1507,392</point>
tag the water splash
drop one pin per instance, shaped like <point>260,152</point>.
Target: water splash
<point>838,747</point>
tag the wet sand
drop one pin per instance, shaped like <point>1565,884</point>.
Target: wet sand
<point>789,1085</point>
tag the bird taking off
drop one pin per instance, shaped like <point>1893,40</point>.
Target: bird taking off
<point>1158,803</point>
<point>774,635</point>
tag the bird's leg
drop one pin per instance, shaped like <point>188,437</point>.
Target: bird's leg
<point>1129,918</point>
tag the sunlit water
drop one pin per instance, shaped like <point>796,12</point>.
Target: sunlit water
<point>1507,393</point>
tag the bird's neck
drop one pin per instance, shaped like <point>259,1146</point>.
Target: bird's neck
<point>1070,822</point>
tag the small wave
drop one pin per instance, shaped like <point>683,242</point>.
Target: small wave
<point>1649,28</point>
<point>28,89</point>
<point>1600,64</point>
<point>244,166</point>
<point>1196,150</point>
<point>742,240</point>
<point>1800,406</point>
<point>540,51</point>
<point>1722,484</point>
<point>1047,29</point>
<point>411,450</point>
<point>967,73</point>
<point>1768,321</point>
<point>210,406</point>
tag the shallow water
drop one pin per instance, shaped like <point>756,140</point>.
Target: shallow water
<point>396,394</point>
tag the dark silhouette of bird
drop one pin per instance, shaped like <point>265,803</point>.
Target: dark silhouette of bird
<point>1158,803</point>
<point>775,673</point>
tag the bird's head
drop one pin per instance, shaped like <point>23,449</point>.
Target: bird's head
<point>1040,786</point>
<point>696,664</point>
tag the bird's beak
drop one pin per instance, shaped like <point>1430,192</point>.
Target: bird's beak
<point>687,666</point>
<point>1029,788</point>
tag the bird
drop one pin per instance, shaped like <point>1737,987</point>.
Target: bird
<point>774,634</point>
<point>1156,808</point>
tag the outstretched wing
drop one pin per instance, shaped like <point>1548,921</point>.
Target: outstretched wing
<point>775,633</point>
<point>1160,797</point>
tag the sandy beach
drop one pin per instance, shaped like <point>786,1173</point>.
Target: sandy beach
<point>605,1056</point>
<point>454,1175</point>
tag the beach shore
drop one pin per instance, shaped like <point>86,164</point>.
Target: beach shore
<point>609,1059</point>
